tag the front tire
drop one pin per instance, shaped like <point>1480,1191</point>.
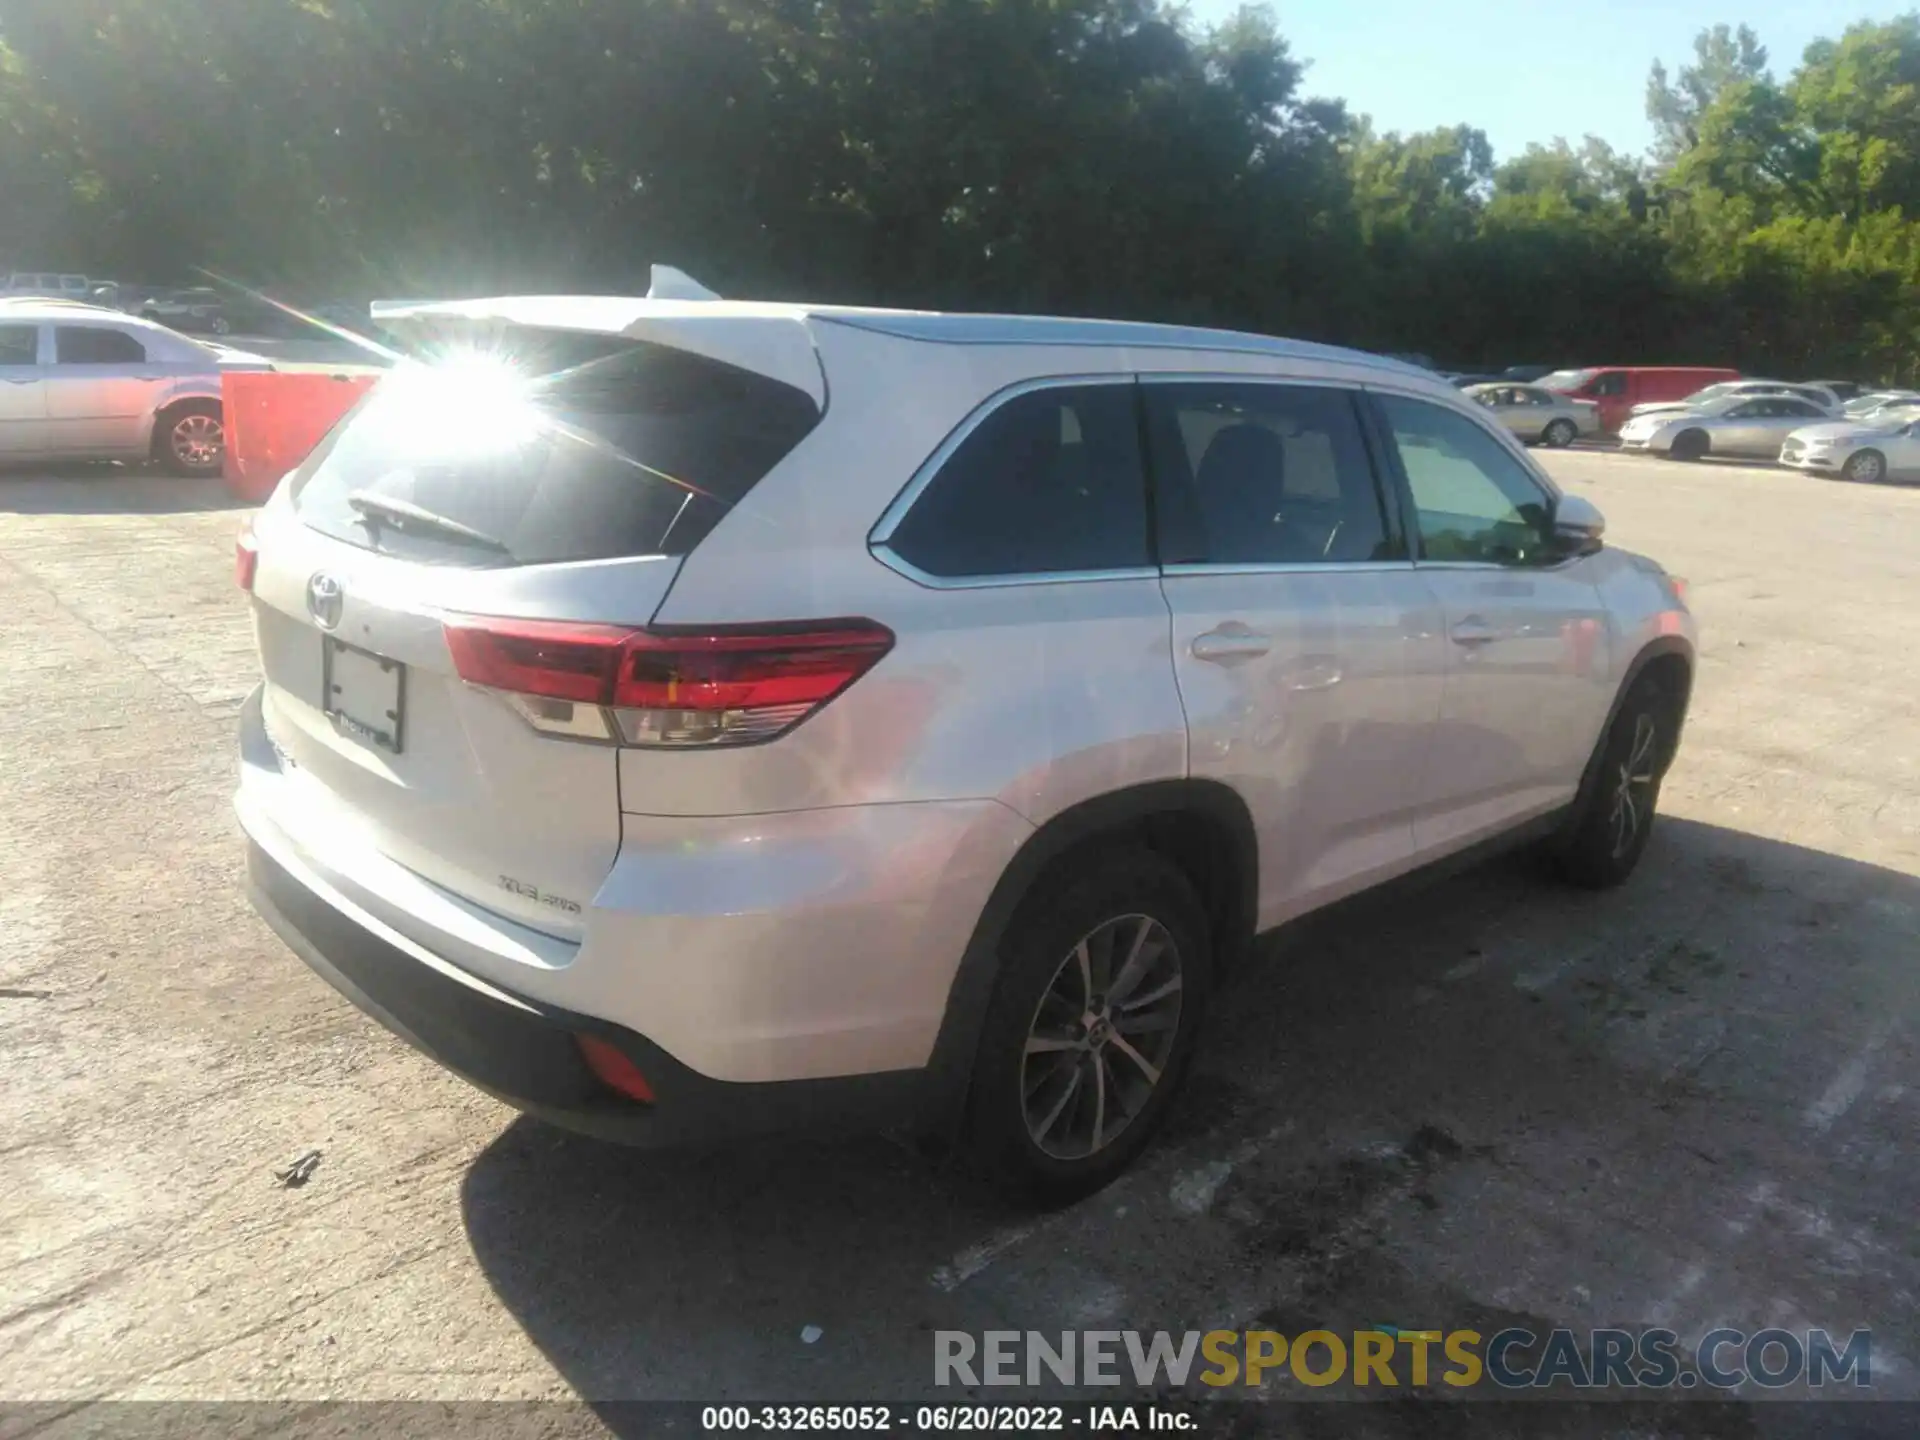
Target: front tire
<point>1559,433</point>
<point>190,438</point>
<point>1104,980</point>
<point>1865,467</point>
<point>1689,445</point>
<point>1613,818</point>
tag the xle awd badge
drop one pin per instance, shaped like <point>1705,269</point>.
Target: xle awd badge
<point>325,599</point>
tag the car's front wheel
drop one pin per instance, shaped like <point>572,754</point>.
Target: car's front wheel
<point>1104,978</point>
<point>190,439</point>
<point>1613,817</point>
<point>1865,467</point>
<point>1690,445</point>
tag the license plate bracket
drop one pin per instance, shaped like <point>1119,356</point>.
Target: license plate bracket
<point>363,694</point>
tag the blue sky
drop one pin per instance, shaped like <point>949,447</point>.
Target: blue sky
<point>1526,71</point>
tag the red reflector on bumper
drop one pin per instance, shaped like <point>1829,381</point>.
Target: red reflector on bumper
<point>614,1068</point>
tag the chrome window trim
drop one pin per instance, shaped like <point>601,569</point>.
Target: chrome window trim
<point>1290,567</point>
<point>1248,377</point>
<point>893,561</point>
<point>916,485</point>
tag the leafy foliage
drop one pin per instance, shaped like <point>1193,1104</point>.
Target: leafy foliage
<point>1090,156</point>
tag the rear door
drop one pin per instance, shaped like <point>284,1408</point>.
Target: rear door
<point>1307,648</point>
<point>479,493</point>
<point>101,388</point>
<point>23,391</point>
<point>1528,675</point>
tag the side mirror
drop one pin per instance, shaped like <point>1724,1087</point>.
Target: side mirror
<point>1578,525</point>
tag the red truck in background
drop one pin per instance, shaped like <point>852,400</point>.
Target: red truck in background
<point>1616,389</point>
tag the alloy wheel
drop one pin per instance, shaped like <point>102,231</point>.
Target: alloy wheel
<point>1101,1037</point>
<point>1633,787</point>
<point>1865,467</point>
<point>197,441</point>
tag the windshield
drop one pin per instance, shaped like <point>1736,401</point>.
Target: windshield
<point>1711,392</point>
<point>558,446</point>
<point>1565,379</point>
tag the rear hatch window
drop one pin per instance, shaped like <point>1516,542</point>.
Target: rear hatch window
<point>515,446</point>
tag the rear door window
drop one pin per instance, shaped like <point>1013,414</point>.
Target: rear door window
<point>89,345</point>
<point>19,344</point>
<point>1051,482</point>
<point>546,446</point>
<point>1264,474</point>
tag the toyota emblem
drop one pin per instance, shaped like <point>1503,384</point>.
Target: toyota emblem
<point>325,599</point>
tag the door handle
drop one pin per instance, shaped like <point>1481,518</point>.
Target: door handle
<point>1225,646</point>
<point>1473,632</point>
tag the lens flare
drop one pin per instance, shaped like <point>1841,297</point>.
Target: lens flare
<point>465,401</point>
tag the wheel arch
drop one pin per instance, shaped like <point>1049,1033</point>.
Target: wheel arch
<point>1670,659</point>
<point>173,399</point>
<point>1203,826</point>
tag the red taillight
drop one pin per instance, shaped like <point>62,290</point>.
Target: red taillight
<point>673,688</point>
<point>246,556</point>
<point>614,1068</point>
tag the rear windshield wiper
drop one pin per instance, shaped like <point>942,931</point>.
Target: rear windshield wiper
<point>406,515</point>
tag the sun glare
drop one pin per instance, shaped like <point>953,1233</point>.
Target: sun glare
<point>466,400</point>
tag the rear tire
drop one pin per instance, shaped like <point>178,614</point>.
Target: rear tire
<point>1690,445</point>
<point>1559,434</point>
<point>1613,817</point>
<point>1865,467</point>
<point>1104,978</point>
<point>190,438</point>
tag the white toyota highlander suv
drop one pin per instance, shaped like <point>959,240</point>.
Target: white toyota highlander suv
<point>686,719</point>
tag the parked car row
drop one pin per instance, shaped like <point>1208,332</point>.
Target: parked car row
<point>1873,437</point>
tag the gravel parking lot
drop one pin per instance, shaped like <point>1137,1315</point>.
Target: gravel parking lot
<point>1690,1101</point>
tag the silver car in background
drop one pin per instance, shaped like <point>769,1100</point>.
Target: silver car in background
<point>1731,425</point>
<point>1533,414</point>
<point>1828,402</point>
<point>80,382</point>
<point>1887,446</point>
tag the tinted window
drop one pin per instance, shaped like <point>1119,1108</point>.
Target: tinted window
<point>74,345</point>
<point>1751,410</point>
<point>1050,481</point>
<point>1614,383</point>
<point>1800,407</point>
<point>559,446</point>
<point>1476,502</point>
<point>19,344</point>
<point>1263,475</point>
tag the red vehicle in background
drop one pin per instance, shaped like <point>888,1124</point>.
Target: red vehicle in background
<point>1616,389</point>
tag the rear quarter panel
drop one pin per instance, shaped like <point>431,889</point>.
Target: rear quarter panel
<point>1037,695</point>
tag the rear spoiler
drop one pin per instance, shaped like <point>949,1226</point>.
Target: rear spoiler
<point>677,312</point>
<point>665,283</point>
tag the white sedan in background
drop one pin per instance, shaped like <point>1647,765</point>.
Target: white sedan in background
<point>1867,451</point>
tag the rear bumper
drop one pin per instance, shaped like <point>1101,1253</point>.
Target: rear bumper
<point>525,1052</point>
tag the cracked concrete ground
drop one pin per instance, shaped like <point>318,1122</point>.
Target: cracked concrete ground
<point>1690,1101</point>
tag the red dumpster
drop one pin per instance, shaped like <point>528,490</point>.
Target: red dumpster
<point>273,420</point>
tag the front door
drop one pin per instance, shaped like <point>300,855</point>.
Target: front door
<point>23,393</point>
<point>1528,684</point>
<point>1307,647</point>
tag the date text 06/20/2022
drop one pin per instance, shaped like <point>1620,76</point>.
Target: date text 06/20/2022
<point>944,1419</point>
